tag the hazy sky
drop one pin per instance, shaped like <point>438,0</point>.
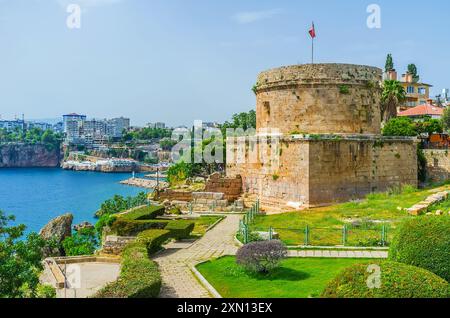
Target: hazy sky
<point>180,60</point>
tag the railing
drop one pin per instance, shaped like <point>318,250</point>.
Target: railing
<point>248,219</point>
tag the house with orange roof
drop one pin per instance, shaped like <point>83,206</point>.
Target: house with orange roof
<point>421,111</point>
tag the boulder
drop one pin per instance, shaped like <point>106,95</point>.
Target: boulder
<point>57,229</point>
<point>82,226</point>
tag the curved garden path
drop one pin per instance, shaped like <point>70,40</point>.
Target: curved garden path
<point>176,260</point>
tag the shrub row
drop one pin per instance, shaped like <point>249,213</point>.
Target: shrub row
<point>144,213</point>
<point>424,242</point>
<point>124,227</point>
<point>153,239</point>
<point>139,276</point>
<point>179,228</point>
<point>396,280</point>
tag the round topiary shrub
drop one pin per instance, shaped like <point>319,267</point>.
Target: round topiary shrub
<point>394,280</point>
<point>261,257</point>
<point>424,242</point>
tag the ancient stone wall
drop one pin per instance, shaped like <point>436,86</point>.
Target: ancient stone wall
<point>231,187</point>
<point>350,169</point>
<point>320,98</point>
<point>114,245</point>
<point>174,195</point>
<point>323,170</point>
<point>438,165</point>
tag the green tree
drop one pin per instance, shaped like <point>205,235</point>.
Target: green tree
<point>389,63</point>
<point>179,172</point>
<point>412,69</point>
<point>429,126</point>
<point>400,126</point>
<point>20,260</point>
<point>83,242</point>
<point>446,119</point>
<point>392,96</point>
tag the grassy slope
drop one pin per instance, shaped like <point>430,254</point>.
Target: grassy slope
<point>203,223</point>
<point>326,223</point>
<point>296,278</point>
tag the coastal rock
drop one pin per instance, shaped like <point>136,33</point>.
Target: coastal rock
<point>82,226</point>
<point>18,155</point>
<point>57,229</point>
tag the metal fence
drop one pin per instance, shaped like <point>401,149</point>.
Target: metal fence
<point>347,235</point>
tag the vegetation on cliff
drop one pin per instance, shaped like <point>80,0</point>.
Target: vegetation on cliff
<point>50,139</point>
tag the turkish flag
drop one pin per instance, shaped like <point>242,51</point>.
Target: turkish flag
<point>312,31</point>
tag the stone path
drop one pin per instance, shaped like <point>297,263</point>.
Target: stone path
<point>175,261</point>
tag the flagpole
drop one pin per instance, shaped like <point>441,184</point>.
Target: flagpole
<point>312,51</point>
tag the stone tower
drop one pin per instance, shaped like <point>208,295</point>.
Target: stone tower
<point>328,119</point>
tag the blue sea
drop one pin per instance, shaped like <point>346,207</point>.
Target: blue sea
<point>35,196</point>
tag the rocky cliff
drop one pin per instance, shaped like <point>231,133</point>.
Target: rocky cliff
<point>15,155</point>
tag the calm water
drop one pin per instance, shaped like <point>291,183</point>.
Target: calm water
<point>35,196</point>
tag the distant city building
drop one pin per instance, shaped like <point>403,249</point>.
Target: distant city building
<point>12,124</point>
<point>93,131</point>
<point>157,125</point>
<point>116,126</point>
<point>210,125</point>
<point>42,126</point>
<point>58,127</point>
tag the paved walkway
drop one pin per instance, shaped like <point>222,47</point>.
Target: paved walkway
<point>175,261</point>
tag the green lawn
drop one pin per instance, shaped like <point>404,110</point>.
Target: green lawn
<point>203,223</point>
<point>295,278</point>
<point>326,223</point>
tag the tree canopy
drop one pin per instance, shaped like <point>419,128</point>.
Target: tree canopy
<point>389,63</point>
<point>20,261</point>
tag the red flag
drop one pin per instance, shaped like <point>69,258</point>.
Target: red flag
<point>312,31</point>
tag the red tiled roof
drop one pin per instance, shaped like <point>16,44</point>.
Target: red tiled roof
<point>422,110</point>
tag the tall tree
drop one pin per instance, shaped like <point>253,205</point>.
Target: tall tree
<point>389,63</point>
<point>412,69</point>
<point>446,119</point>
<point>393,95</point>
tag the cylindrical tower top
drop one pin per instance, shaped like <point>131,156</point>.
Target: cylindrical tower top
<point>320,98</point>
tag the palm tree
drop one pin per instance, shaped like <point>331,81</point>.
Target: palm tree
<point>393,95</point>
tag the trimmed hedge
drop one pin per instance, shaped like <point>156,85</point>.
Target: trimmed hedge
<point>153,239</point>
<point>180,229</point>
<point>397,281</point>
<point>144,213</point>
<point>424,242</point>
<point>124,227</point>
<point>139,276</point>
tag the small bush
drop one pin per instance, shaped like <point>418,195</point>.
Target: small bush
<point>124,227</point>
<point>139,276</point>
<point>424,242</point>
<point>175,211</point>
<point>106,220</point>
<point>261,257</point>
<point>83,242</point>
<point>45,291</point>
<point>396,281</point>
<point>153,239</point>
<point>144,213</point>
<point>180,229</point>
